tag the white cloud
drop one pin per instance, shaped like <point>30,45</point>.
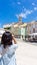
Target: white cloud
<point>18,3</point>
<point>33,4</point>
<point>28,12</point>
<point>21,14</point>
<point>24,15</point>
<point>35,8</point>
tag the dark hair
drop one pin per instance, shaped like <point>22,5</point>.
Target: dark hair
<point>6,39</point>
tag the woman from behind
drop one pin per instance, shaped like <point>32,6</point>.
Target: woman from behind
<point>7,49</point>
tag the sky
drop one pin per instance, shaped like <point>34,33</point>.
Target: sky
<point>10,10</point>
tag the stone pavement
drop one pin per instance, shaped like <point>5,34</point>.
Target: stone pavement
<point>26,53</point>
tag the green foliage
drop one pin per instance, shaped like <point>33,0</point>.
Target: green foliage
<point>8,28</point>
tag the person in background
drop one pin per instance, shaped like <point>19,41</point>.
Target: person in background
<point>7,49</point>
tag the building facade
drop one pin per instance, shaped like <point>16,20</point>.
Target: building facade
<point>31,30</point>
<point>31,27</point>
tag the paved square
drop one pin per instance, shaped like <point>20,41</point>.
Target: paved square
<point>26,54</point>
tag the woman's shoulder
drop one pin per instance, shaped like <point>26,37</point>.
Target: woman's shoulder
<point>13,46</point>
<point>1,47</point>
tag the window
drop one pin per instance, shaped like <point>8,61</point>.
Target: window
<point>33,30</point>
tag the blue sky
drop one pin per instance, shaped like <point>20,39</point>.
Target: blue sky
<point>10,10</point>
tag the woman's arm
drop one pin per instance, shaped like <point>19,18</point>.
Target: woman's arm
<point>14,39</point>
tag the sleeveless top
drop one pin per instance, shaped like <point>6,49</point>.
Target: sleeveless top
<point>8,55</point>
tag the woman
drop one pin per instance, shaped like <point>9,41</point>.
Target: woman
<point>7,49</point>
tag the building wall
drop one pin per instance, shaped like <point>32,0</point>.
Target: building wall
<point>23,31</point>
<point>15,30</point>
<point>31,27</point>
